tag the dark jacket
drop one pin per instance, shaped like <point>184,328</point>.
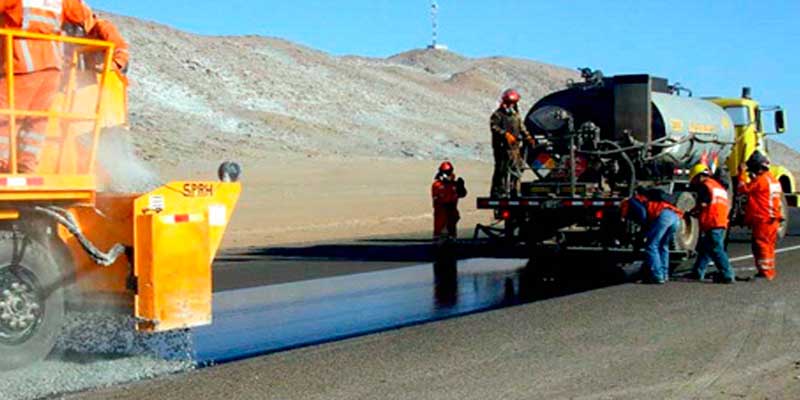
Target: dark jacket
<point>501,122</point>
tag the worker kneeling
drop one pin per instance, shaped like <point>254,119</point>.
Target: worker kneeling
<point>446,190</point>
<point>763,213</point>
<point>661,219</point>
<point>713,206</point>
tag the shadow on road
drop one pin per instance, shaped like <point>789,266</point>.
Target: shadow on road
<point>402,250</point>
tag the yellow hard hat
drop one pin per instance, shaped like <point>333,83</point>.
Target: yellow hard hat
<point>698,170</point>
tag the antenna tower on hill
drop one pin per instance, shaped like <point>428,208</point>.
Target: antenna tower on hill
<point>435,24</point>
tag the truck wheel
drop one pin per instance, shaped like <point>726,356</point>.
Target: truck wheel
<point>783,230</point>
<point>689,232</point>
<point>31,302</point>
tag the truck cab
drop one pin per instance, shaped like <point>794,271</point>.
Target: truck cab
<point>748,117</point>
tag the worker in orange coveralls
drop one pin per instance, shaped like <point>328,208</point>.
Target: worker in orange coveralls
<point>446,190</point>
<point>763,212</point>
<point>37,67</point>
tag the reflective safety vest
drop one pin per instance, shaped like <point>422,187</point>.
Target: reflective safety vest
<point>715,215</point>
<point>37,16</point>
<point>763,199</point>
<point>654,209</point>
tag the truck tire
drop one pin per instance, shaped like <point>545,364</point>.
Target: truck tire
<point>689,233</point>
<point>31,302</point>
<point>783,230</point>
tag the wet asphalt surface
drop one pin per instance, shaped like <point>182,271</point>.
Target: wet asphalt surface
<point>582,334</point>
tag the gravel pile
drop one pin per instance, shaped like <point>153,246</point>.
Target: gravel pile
<point>107,354</point>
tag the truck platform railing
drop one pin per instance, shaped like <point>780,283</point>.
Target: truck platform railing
<point>67,163</point>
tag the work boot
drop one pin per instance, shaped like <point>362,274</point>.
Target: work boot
<point>762,275</point>
<point>694,276</point>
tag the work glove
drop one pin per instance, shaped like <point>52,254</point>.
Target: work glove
<point>511,139</point>
<point>742,169</point>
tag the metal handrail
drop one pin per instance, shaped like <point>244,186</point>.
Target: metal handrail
<point>9,36</point>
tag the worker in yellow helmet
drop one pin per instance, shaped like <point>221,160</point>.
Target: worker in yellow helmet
<point>713,206</point>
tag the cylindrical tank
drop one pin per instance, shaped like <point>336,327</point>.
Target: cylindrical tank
<point>678,117</point>
<point>670,116</point>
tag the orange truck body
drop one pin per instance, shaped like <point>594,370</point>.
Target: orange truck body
<point>171,234</point>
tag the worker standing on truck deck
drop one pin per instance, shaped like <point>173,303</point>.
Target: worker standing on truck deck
<point>507,134</point>
<point>37,67</point>
<point>763,213</point>
<point>713,206</point>
<point>446,190</point>
<point>663,220</point>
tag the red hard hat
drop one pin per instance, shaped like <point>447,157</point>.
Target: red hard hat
<point>510,96</point>
<point>446,167</point>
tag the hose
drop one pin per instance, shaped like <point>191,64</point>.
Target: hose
<point>621,151</point>
<point>618,150</point>
<point>66,219</point>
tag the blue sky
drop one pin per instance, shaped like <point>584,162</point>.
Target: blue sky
<point>711,46</point>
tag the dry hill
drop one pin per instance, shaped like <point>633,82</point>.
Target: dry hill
<point>249,96</point>
<point>272,104</point>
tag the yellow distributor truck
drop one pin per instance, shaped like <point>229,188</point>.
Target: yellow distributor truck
<point>600,139</point>
<point>65,243</point>
<point>748,118</point>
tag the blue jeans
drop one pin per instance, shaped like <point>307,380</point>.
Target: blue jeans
<point>711,247</point>
<point>659,236</point>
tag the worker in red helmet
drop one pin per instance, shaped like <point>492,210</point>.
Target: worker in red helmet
<point>763,212</point>
<point>446,190</point>
<point>508,133</point>
<point>37,66</point>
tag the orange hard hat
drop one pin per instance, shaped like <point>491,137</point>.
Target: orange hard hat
<point>446,167</point>
<point>510,96</point>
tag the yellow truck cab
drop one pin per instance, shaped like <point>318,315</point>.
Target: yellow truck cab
<point>748,117</point>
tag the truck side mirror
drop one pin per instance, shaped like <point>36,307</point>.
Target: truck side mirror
<point>780,121</point>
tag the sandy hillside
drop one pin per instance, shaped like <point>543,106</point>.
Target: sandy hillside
<point>242,97</point>
<point>332,147</point>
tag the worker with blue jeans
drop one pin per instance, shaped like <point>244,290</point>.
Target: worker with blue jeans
<point>711,247</point>
<point>660,235</point>
<point>660,219</point>
<point>712,209</point>
<point>663,221</point>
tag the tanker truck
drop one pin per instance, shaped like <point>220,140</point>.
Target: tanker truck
<point>600,139</point>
